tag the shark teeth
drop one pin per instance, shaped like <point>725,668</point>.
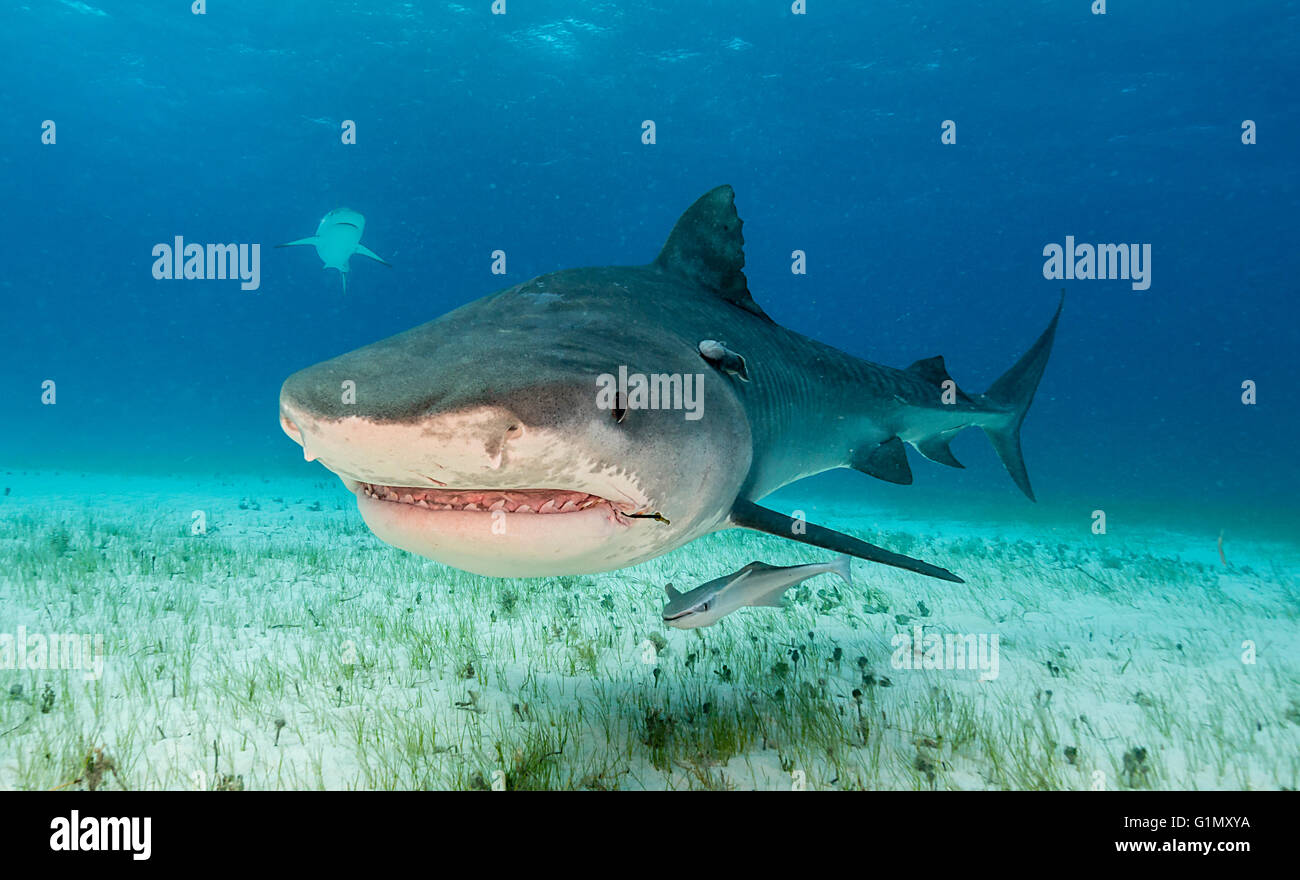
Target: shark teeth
<point>537,501</point>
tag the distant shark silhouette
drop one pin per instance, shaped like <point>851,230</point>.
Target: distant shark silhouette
<point>481,439</point>
<point>337,238</point>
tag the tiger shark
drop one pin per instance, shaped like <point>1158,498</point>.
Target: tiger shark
<point>337,238</point>
<point>481,439</point>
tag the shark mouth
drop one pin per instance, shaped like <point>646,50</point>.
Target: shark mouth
<point>698,608</point>
<point>542,502</point>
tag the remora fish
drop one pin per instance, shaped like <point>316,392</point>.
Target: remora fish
<point>478,439</point>
<point>337,238</point>
<point>757,584</point>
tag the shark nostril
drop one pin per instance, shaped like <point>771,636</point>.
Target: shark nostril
<point>295,434</point>
<point>495,447</point>
<point>290,428</point>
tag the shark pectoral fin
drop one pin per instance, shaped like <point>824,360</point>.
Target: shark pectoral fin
<point>772,601</point>
<point>311,241</point>
<point>888,462</point>
<point>749,515</point>
<point>671,591</point>
<point>367,252</point>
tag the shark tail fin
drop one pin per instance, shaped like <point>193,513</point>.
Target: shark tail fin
<point>1012,394</point>
<point>843,568</point>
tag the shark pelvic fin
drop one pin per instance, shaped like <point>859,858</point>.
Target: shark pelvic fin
<point>749,515</point>
<point>888,462</point>
<point>1013,392</point>
<point>706,247</point>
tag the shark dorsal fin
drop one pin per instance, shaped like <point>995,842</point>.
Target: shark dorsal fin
<point>741,575</point>
<point>934,370</point>
<point>707,248</point>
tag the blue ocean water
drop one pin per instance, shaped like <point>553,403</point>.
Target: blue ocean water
<point>523,132</point>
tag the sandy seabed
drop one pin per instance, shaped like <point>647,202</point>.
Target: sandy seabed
<point>286,647</point>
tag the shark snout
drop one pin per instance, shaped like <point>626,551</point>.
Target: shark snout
<point>463,447</point>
